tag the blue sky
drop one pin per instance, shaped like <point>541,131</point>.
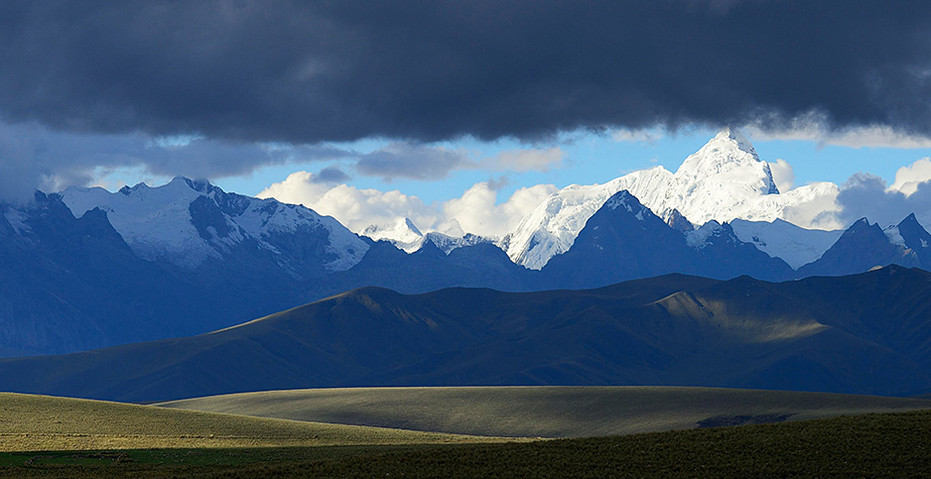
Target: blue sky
<point>591,158</point>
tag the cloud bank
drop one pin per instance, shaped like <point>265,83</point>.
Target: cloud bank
<point>311,72</point>
<point>476,211</point>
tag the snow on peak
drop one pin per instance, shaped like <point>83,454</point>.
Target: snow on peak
<point>402,230</point>
<point>795,245</point>
<point>403,233</point>
<point>895,237</point>
<point>447,243</point>
<point>698,238</point>
<point>629,202</point>
<point>159,223</point>
<point>619,199</point>
<point>154,222</point>
<point>730,163</point>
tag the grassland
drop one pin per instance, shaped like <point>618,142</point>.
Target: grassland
<point>45,423</point>
<point>873,445</point>
<point>551,412</point>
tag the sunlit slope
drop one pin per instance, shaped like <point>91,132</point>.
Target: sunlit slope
<point>545,411</point>
<point>862,334</point>
<point>37,423</point>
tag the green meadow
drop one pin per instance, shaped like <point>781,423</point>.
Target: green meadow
<point>546,411</point>
<point>871,445</point>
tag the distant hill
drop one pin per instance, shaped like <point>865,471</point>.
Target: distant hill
<point>865,334</point>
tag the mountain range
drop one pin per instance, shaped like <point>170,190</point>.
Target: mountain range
<point>867,334</point>
<point>87,268</point>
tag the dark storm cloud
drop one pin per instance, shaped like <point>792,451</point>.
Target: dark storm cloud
<point>331,71</point>
<point>32,156</point>
<point>866,195</point>
<point>412,161</point>
<point>330,174</point>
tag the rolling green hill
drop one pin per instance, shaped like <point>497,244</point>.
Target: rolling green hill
<point>44,423</point>
<point>545,411</point>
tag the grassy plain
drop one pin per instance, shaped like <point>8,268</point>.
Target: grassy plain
<point>546,411</point>
<point>45,423</point>
<point>872,445</point>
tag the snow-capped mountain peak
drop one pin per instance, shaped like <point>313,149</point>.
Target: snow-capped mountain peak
<point>725,169</point>
<point>186,222</point>
<point>402,230</point>
<point>724,180</point>
<point>403,233</point>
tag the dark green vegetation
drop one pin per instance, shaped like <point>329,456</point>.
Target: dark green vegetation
<point>887,445</point>
<point>545,411</point>
<point>43,423</point>
<point>864,334</point>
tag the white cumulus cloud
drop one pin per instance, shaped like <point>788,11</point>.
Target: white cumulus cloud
<point>477,211</point>
<point>908,178</point>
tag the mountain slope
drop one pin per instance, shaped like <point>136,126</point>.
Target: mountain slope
<point>868,333</point>
<point>72,283</point>
<point>197,259</point>
<point>624,240</point>
<point>793,244</point>
<point>862,246</point>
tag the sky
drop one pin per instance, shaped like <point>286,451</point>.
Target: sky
<point>467,111</point>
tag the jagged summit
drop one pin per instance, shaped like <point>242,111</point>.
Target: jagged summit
<point>623,199</point>
<point>402,230</point>
<point>729,159</point>
<point>733,134</point>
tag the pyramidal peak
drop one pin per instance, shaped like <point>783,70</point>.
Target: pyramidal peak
<point>728,160</point>
<point>733,134</point>
<point>728,151</point>
<point>402,230</point>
